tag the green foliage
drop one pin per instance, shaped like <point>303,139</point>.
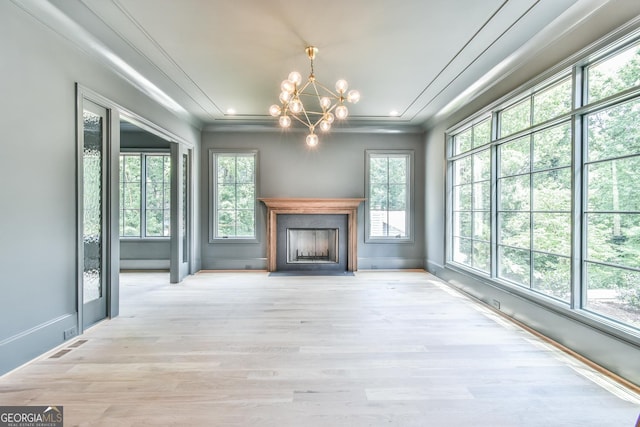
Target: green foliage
<point>552,275</point>
<point>552,102</point>
<point>388,198</point>
<point>235,195</point>
<point>462,142</point>
<point>515,118</point>
<point>535,199</point>
<point>515,157</point>
<point>157,203</point>
<point>631,297</point>
<point>615,74</point>
<point>473,137</point>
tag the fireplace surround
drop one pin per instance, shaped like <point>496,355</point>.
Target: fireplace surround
<point>301,207</point>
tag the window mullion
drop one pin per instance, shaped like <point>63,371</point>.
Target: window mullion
<point>386,234</point>
<point>578,231</point>
<point>494,196</point>
<point>143,195</point>
<point>531,231</point>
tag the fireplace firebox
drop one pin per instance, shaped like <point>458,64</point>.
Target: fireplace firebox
<point>312,246</point>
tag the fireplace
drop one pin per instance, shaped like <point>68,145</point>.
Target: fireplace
<point>312,242</point>
<point>312,246</point>
<point>312,234</point>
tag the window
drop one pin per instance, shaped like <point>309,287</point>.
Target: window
<point>389,178</point>
<point>145,209</point>
<point>565,169</point>
<point>612,213</point>
<point>234,195</point>
<point>534,211</point>
<point>472,198</point>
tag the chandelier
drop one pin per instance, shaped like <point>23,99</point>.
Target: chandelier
<point>323,105</point>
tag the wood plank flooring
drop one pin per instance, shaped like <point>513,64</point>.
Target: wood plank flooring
<point>374,349</point>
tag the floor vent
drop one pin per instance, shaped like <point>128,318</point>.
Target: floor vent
<point>59,354</point>
<point>77,343</point>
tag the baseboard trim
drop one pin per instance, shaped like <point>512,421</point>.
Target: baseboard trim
<point>144,264</point>
<point>23,347</point>
<point>389,263</point>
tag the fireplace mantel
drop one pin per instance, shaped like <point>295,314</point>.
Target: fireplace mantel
<point>277,206</point>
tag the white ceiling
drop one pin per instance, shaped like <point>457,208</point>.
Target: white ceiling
<point>203,57</point>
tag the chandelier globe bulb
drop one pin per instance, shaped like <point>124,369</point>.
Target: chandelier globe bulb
<point>325,102</point>
<point>353,96</point>
<point>287,86</point>
<point>330,117</point>
<point>342,86</point>
<point>325,126</point>
<point>285,121</point>
<point>312,139</point>
<point>275,110</point>
<point>295,106</point>
<point>341,112</point>
<point>295,77</point>
<point>284,97</point>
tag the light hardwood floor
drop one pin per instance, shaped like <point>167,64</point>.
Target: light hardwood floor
<point>375,349</point>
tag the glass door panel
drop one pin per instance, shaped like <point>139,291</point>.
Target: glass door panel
<point>93,213</point>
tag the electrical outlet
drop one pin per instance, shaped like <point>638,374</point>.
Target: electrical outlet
<point>70,333</point>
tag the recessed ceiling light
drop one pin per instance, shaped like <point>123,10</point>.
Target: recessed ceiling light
<point>394,113</point>
<point>231,110</point>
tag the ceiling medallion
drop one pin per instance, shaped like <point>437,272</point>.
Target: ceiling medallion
<point>323,105</point>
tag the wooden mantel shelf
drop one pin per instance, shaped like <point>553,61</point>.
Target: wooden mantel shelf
<point>312,204</point>
<point>346,206</point>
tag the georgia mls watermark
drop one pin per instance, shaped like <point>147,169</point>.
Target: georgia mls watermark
<point>31,416</point>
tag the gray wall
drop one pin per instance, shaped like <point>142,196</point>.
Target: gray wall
<point>335,168</point>
<point>38,72</point>
<point>144,254</point>
<point>577,332</point>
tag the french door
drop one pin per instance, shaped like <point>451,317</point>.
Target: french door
<point>93,244</point>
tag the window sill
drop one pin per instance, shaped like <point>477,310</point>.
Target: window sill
<point>225,240</point>
<point>389,240</point>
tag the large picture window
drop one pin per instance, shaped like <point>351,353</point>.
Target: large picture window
<point>233,203</point>
<point>145,189</point>
<point>389,177</point>
<point>563,160</point>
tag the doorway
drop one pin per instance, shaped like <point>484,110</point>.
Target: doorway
<point>99,205</point>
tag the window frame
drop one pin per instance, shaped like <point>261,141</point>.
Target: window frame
<point>143,191</point>
<point>576,68</point>
<point>213,195</point>
<point>409,191</point>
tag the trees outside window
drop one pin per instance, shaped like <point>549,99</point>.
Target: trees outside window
<point>534,211</point>
<point>234,195</point>
<point>565,167</point>
<point>145,189</point>
<point>471,219</point>
<point>389,176</point>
